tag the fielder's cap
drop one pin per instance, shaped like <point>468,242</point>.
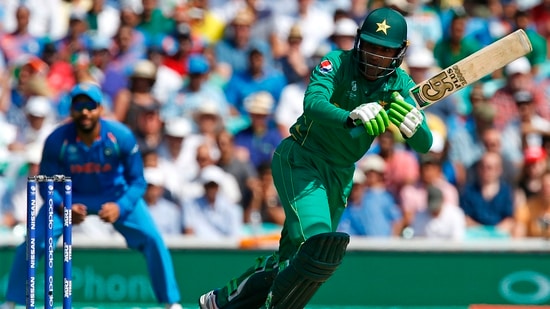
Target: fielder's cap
<point>153,176</point>
<point>260,102</point>
<point>523,96</point>
<point>90,90</point>
<point>198,64</point>
<point>38,106</point>
<point>178,127</point>
<point>435,198</point>
<point>145,69</point>
<point>212,173</point>
<point>345,27</point>
<point>534,154</point>
<point>373,162</point>
<point>518,66</point>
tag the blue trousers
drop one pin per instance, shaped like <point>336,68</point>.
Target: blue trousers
<point>140,233</point>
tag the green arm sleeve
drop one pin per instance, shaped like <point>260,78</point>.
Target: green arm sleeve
<point>317,100</point>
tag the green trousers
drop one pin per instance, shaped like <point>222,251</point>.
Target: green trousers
<point>313,194</point>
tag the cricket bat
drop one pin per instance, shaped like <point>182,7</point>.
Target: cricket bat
<point>470,69</point>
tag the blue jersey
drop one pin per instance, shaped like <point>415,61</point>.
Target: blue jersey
<point>109,170</point>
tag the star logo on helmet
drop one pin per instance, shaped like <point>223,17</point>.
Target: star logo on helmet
<point>383,27</point>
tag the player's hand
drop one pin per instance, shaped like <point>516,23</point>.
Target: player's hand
<point>109,212</point>
<point>78,213</point>
<point>404,116</point>
<point>372,116</point>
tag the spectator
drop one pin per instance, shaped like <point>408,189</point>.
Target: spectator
<point>103,19</point>
<point>440,219</point>
<point>532,217</point>
<point>195,91</point>
<point>259,138</point>
<point>529,182</point>
<point>165,213</point>
<point>238,165</point>
<point>316,25</point>
<point>371,210</point>
<point>518,77</point>
<point>234,49</point>
<point>413,197</point>
<point>395,157</point>
<point>488,202</point>
<point>530,129</point>
<point>153,21</point>
<point>343,35</point>
<point>138,95</point>
<point>176,159</point>
<point>270,207</point>
<point>448,51</point>
<point>148,126</point>
<point>293,63</point>
<point>258,77</point>
<point>492,141</point>
<point>212,216</point>
<point>20,41</point>
<point>538,56</point>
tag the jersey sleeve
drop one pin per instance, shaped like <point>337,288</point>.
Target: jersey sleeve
<point>133,172</point>
<point>317,104</point>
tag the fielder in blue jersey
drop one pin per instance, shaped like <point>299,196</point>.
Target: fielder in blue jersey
<point>103,160</point>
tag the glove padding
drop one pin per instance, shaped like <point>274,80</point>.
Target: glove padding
<point>404,116</point>
<point>372,116</point>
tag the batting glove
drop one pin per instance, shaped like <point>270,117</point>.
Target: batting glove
<point>372,116</point>
<point>404,115</point>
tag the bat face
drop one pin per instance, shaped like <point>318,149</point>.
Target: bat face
<point>471,69</point>
<point>436,88</point>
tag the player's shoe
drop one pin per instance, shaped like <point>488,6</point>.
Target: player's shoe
<point>174,306</point>
<point>208,301</point>
<point>7,305</point>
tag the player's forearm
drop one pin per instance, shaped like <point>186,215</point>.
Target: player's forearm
<point>422,140</point>
<point>319,109</point>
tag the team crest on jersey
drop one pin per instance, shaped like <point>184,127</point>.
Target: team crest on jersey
<point>325,66</point>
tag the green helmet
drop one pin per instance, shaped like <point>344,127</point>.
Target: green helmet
<point>385,27</point>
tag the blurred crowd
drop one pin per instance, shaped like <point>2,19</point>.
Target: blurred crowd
<point>211,87</point>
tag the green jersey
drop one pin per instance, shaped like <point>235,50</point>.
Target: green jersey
<point>336,88</point>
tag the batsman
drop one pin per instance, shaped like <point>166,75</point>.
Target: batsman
<point>313,168</point>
